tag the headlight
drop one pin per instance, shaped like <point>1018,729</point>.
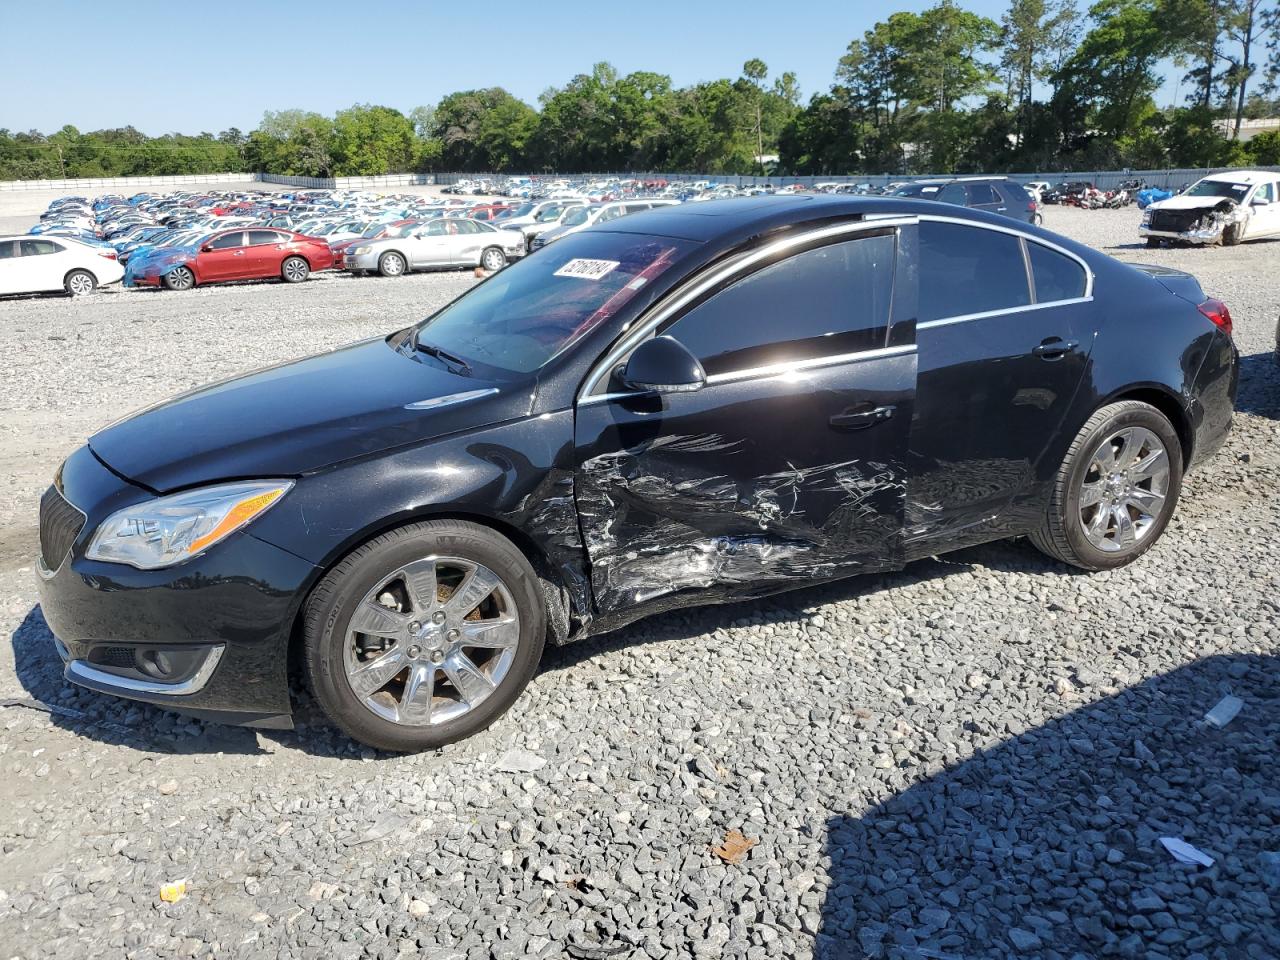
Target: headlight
<point>160,533</point>
<point>360,251</point>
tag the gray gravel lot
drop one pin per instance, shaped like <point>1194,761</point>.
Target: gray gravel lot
<point>974,758</point>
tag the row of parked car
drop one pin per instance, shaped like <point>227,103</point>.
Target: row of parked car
<point>180,240</point>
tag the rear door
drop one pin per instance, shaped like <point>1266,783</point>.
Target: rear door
<point>788,465</point>
<point>12,272</point>
<point>1004,332</point>
<point>264,253</point>
<point>44,263</point>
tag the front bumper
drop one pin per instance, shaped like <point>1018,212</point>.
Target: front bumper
<point>223,619</point>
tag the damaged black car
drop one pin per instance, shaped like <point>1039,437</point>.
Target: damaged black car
<point>693,405</point>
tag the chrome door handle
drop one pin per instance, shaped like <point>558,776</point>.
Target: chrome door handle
<point>861,417</point>
<point>1054,348</point>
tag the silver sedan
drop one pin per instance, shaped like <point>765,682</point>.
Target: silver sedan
<point>440,243</point>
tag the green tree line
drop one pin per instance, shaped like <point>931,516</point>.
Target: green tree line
<point>1048,87</point>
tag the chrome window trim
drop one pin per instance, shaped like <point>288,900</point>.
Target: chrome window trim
<point>711,278</point>
<point>81,673</point>
<point>1022,234</point>
<point>772,371</point>
<point>944,321</point>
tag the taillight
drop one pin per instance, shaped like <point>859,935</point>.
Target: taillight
<point>1217,311</point>
<point>109,254</point>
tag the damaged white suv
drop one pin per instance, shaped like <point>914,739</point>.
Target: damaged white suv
<point>1226,208</point>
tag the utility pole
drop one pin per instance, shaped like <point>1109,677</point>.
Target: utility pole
<point>62,163</point>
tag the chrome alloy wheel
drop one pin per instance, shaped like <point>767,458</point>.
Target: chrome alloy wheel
<point>1123,492</point>
<point>432,641</point>
<point>392,265</point>
<point>493,260</point>
<point>80,284</point>
<point>295,270</point>
<point>181,278</point>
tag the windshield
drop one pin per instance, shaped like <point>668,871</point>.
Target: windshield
<point>372,230</point>
<point>576,216</point>
<point>524,316</point>
<point>1218,188</point>
<point>550,213</point>
<point>523,210</point>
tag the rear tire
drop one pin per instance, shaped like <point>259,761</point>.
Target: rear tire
<point>391,265</point>
<point>80,283</point>
<point>415,626</point>
<point>1116,490</point>
<point>179,278</point>
<point>294,270</point>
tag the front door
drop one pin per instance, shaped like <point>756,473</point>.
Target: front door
<point>430,246</point>
<point>225,258</point>
<point>788,465</point>
<point>1004,339</point>
<point>1264,211</point>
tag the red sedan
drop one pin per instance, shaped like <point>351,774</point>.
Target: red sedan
<point>252,254</point>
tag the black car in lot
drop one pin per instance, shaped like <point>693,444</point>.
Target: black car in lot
<point>989,194</point>
<point>692,405</point>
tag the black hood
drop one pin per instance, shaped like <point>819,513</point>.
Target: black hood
<point>302,416</point>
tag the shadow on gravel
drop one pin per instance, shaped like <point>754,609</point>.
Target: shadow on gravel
<point>1047,845</point>
<point>1259,392</point>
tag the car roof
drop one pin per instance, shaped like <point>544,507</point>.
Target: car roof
<point>1242,176</point>
<point>740,217</point>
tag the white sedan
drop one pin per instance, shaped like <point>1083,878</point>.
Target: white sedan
<point>440,243</point>
<point>43,264</point>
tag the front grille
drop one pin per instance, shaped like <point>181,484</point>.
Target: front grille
<point>1175,221</point>
<point>60,524</point>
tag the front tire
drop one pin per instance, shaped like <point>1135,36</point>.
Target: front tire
<point>424,635</point>
<point>391,265</point>
<point>294,270</point>
<point>1153,242</point>
<point>493,259</point>
<point>1116,489</point>
<point>179,278</point>
<point>80,283</point>
<point>1233,235</point>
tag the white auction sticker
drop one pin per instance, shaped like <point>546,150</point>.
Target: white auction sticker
<point>588,269</point>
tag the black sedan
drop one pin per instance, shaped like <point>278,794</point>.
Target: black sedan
<point>692,405</point>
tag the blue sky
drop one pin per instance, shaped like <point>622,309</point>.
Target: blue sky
<point>222,63</point>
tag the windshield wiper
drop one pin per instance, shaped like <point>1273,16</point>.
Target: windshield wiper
<point>449,359</point>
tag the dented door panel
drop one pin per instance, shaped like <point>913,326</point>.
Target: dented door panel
<point>745,488</point>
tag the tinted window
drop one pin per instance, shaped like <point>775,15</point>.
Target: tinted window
<point>436,229</point>
<point>36,248</point>
<point>264,236</point>
<point>8,249</point>
<point>823,302</point>
<point>1056,277</point>
<point>952,193</point>
<point>982,193</point>
<point>966,270</point>
<point>227,241</point>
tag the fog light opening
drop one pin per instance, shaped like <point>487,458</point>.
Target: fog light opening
<point>156,664</point>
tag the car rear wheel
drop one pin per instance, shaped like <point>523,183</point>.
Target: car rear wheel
<point>424,635</point>
<point>1116,490</point>
<point>80,283</point>
<point>493,259</point>
<point>391,264</point>
<point>294,270</point>
<point>180,278</point>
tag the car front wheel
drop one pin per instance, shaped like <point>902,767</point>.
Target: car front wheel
<point>80,283</point>
<point>391,265</point>
<point>1116,489</point>
<point>180,278</point>
<point>424,635</point>
<point>493,259</point>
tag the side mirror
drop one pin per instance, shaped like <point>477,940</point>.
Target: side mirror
<point>206,247</point>
<point>663,365</point>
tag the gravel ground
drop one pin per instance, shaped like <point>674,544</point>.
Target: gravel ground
<point>974,758</point>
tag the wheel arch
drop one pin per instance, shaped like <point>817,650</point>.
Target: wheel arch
<point>555,592</point>
<point>66,276</point>
<point>1167,402</point>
